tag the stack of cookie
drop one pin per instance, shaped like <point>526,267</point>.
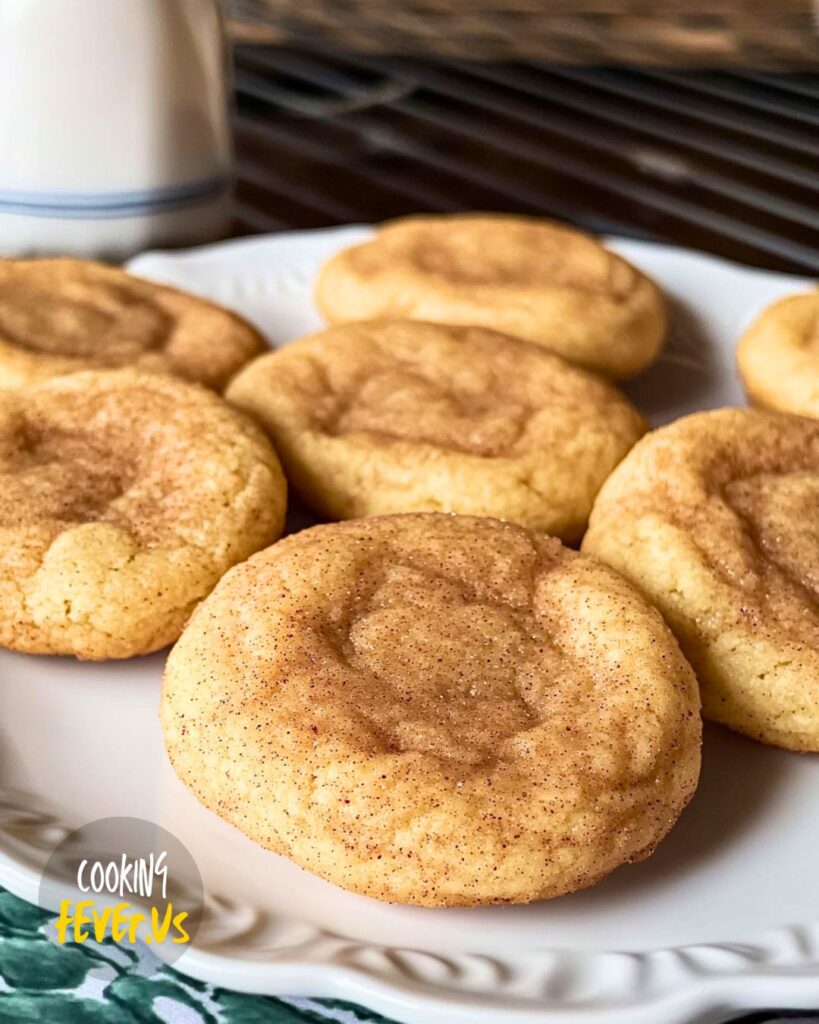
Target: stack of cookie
<point>126,491</point>
<point>440,709</point>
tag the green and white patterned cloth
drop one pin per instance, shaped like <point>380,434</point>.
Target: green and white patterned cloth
<point>43,982</point>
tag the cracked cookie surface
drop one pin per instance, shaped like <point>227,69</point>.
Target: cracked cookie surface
<point>438,710</point>
<point>778,356</point>
<point>59,316</point>
<point>402,416</point>
<point>523,276</point>
<point>716,519</point>
<point>124,496</point>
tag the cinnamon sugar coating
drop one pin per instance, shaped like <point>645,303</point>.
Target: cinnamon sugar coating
<point>778,356</point>
<point>523,276</point>
<point>438,710</point>
<point>59,316</point>
<point>402,416</point>
<point>716,519</point>
<point>124,496</point>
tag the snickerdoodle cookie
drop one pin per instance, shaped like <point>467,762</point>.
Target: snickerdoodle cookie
<point>778,356</point>
<point>528,277</point>
<point>437,710</point>
<point>716,519</point>
<point>58,316</point>
<point>404,416</point>
<point>124,496</point>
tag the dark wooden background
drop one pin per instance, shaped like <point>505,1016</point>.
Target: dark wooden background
<point>722,161</point>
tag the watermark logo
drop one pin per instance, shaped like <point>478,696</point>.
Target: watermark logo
<point>124,879</point>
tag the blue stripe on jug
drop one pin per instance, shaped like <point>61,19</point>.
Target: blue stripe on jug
<point>101,205</point>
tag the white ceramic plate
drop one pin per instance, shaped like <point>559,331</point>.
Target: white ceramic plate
<point>724,916</point>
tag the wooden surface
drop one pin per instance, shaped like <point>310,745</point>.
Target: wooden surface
<point>723,162</point>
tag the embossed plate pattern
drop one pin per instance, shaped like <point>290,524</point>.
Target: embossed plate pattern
<point>724,916</point>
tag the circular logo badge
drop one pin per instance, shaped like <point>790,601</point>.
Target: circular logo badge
<point>124,879</point>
